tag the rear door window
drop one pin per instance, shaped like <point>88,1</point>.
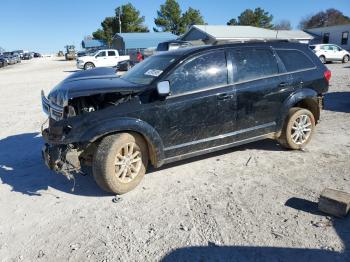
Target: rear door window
<point>201,72</point>
<point>294,60</point>
<point>251,63</point>
<point>111,53</point>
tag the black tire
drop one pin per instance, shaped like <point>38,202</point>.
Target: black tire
<point>105,168</point>
<point>346,59</point>
<point>89,65</point>
<point>323,59</point>
<point>286,138</point>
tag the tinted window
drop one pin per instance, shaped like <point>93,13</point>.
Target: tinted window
<point>208,70</point>
<point>295,60</point>
<point>249,64</point>
<point>111,53</point>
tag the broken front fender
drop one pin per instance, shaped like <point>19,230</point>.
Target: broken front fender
<point>89,128</point>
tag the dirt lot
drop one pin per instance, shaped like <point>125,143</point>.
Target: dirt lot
<point>251,203</point>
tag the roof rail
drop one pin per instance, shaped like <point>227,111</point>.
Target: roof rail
<point>222,42</point>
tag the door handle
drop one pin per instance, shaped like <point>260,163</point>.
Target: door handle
<point>224,96</point>
<point>283,84</point>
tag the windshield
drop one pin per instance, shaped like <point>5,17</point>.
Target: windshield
<point>149,69</point>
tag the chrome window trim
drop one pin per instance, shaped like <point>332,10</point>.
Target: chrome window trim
<point>238,83</point>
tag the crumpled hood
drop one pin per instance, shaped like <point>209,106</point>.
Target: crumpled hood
<point>91,82</point>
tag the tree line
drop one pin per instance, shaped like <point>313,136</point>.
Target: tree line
<point>170,18</point>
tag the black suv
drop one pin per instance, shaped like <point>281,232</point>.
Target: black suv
<point>180,104</point>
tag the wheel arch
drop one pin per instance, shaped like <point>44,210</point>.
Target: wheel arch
<point>303,98</point>
<point>89,62</point>
<point>113,126</point>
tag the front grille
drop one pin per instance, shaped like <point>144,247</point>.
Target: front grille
<point>52,110</point>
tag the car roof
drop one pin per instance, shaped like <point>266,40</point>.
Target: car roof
<point>194,49</point>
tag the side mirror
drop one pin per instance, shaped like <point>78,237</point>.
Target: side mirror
<point>163,88</point>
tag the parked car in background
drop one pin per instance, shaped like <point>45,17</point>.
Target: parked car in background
<point>17,58</point>
<point>330,53</point>
<point>179,104</point>
<point>126,65</point>
<point>18,52</point>
<point>11,60</point>
<point>37,55</point>
<point>3,61</point>
<point>135,57</point>
<point>27,56</point>
<point>101,58</point>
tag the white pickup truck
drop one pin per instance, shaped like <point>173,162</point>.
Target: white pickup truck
<point>101,58</point>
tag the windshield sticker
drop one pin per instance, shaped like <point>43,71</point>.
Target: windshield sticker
<point>153,72</point>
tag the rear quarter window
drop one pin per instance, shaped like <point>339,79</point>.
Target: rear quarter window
<point>294,60</point>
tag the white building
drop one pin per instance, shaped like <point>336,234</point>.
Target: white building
<point>338,34</point>
<point>212,34</point>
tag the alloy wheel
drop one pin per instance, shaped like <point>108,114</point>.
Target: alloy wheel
<point>301,129</point>
<point>128,163</point>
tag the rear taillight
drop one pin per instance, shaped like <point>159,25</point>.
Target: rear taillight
<point>328,75</point>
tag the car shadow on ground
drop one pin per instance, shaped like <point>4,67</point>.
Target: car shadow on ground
<point>71,71</point>
<point>213,252</point>
<point>337,102</point>
<point>22,168</point>
<point>63,60</point>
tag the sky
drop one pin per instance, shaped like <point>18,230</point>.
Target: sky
<point>46,26</point>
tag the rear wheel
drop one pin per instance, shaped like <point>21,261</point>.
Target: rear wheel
<point>120,162</point>
<point>298,128</point>
<point>323,59</point>
<point>346,59</point>
<point>88,66</point>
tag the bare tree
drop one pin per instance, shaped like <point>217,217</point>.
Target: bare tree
<point>283,25</point>
<point>328,18</point>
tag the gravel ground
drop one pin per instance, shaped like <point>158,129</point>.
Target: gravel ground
<point>251,203</point>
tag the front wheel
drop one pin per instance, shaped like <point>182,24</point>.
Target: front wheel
<point>298,128</point>
<point>346,59</point>
<point>88,66</point>
<point>120,162</point>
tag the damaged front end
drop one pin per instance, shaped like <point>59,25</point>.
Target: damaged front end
<point>62,159</point>
<point>71,108</point>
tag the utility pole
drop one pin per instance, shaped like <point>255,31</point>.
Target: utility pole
<point>120,21</point>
